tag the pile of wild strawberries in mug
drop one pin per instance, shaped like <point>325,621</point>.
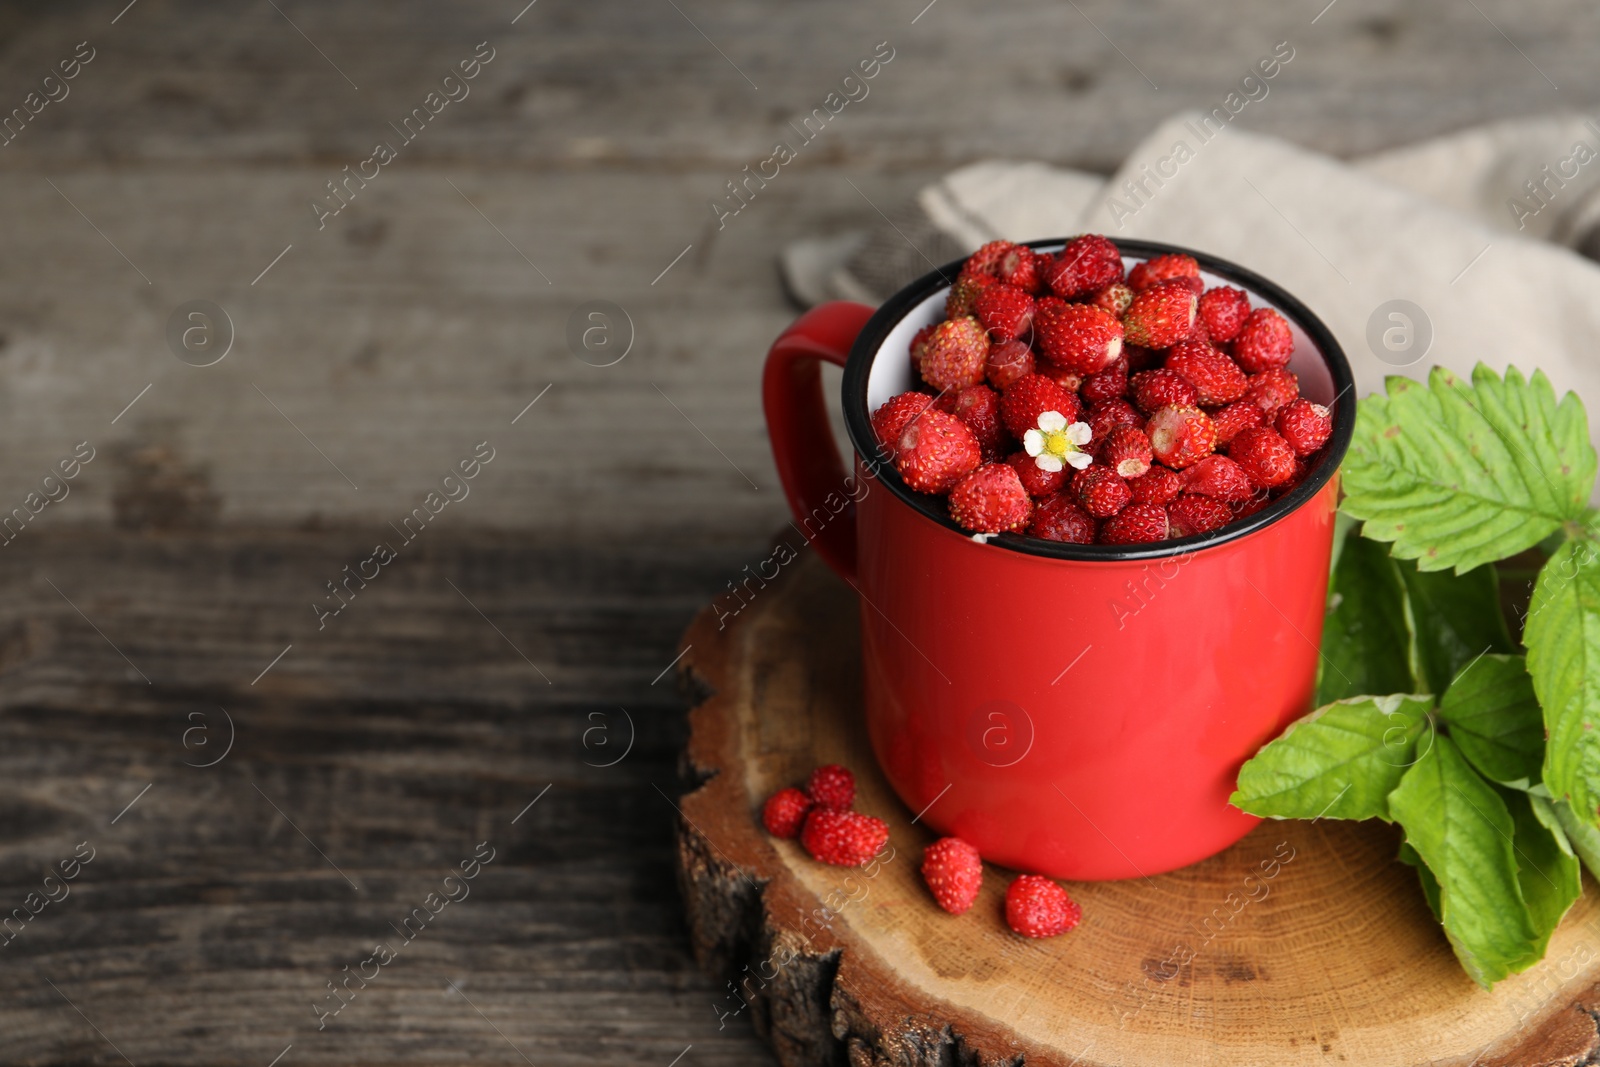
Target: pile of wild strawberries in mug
<point>1069,401</point>
<point>823,817</point>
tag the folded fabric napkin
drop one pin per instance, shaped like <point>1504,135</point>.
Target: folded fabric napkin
<point>1483,233</point>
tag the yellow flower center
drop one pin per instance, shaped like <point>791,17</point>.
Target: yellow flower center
<point>1056,443</point>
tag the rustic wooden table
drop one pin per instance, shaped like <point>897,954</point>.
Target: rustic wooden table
<point>500,686</point>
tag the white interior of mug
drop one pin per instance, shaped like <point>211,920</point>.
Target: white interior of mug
<point>891,364</point>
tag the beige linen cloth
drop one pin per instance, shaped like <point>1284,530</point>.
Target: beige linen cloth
<point>1485,231</point>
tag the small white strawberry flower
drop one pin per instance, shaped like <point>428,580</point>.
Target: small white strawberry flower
<point>1055,444</point>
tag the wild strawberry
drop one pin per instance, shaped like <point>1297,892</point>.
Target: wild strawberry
<point>954,873</point>
<point>1158,485</point>
<point>955,354</point>
<point>1193,513</point>
<point>979,407</point>
<point>891,419</point>
<point>843,838</point>
<point>1136,524</point>
<point>832,786</point>
<point>785,812</point>
<point>1181,436</point>
<point>965,290</point>
<point>1253,505</point>
<point>1100,491</point>
<point>1107,384</point>
<point>1223,310</point>
<point>1088,263</point>
<point>1022,267</point>
<point>1031,396</point>
<point>1140,358</point>
<point>1076,337</point>
<point>1037,907</point>
<point>1194,285</point>
<point>1218,477</point>
<point>1059,518</point>
<point>1161,269</point>
<point>1198,334</point>
<point>1035,479</point>
<point>1126,451</point>
<point>1114,298</point>
<point>1071,381</point>
<point>1004,311</point>
<point>1007,363</point>
<point>1265,457</point>
<point>1240,415</point>
<point>1215,377</point>
<point>934,451</point>
<point>991,500</point>
<point>1108,415</point>
<point>987,259</point>
<point>1271,390</point>
<point>1264,341</point>
<point>919,345</point>
<point>1160,316</point>
<point>1306,426</point>
<point>1156,389</point>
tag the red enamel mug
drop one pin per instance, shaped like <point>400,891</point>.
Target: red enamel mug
<point>1078,711</point>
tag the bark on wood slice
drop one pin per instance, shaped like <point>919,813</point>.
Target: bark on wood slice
<point>1333,959</point>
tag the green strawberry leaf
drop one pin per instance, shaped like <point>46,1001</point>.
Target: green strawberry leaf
<point>1460,827</point>
<point>1562,633</point>
<point>1459,475</point>
<point>1547,870</point>
<point>1430,884</point>
<point>1584,838</point>
<point>1339,762</point>
<point>1494,718</point>
<point>1455,618</point>
<point>1364,638</point>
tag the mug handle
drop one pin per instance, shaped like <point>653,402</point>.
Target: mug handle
<point>808,461</point>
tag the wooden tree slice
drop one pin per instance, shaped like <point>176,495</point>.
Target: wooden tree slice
<point>1328,953</point>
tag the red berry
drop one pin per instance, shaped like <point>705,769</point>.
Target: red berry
<point>1156,389</point>
<point>1022,267</point>
<point>1215,377</point>
<point>785,812</point>
<point>1265,457</point>
<point>1158,485</point>
<point>1240,415</point>
<point>919,345</point>
<point>1181,436</point>
<point>1108,415</point>
<point>1165,268</point>
<point>832,786</point>
<point>1059,518</point>
<point>1223,310</point>
<point>1140,358</point>
<point>1264,341</point>
<point>979,407</point>
<point>1007,363</point>
<point>954,873</point>
<point>1077,337</point>
<point>1088,264</point>
<point>1035,479</point>
<point>1114,298</point>
<point>1071,381</point>
<point>1100,491</point>
<point>891,419</point>
<point>987,259</point>
<point>1306,426</point>
<point>1160,316</point>
<point>959,300</point>
<point>934,451</point>
<point>1037,907</point>
<point>1031,396</point>
<point>955,354</point>
<point>1136,524</point>
<point>1108,384</point>
<point>1271,390</point>
<point>1198,333</point>
<point>1192,514</point>
<point>1126,451</point>
<point>1003,311</point>
<point>1218,477</point>
<point>991,500</point>
<point>1253,505</point>
<point>843,838</point>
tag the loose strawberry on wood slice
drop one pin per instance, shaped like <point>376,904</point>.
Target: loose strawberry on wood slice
<point>843,838</point>
<point>953,871</point>
<point>1037,907</point>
